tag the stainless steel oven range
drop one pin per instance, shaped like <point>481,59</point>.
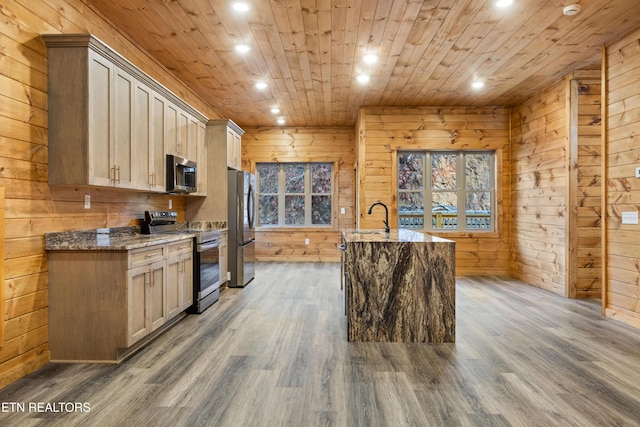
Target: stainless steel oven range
<point>206,256</point>
<point>206,266</point>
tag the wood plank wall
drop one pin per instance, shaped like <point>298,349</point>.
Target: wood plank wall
<point>33,207</point>
<point>385,130</point>
<point>622,282</point>
<point>556,242</point>
<point>589,186</point>
<point>304,145</point>
<point>539,189</point>
<point>2,253</point>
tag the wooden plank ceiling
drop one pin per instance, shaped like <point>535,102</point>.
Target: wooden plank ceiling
<point>310,51</point>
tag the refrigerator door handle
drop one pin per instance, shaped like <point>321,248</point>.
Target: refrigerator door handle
<point>238,218</point>
<point>250,204</point>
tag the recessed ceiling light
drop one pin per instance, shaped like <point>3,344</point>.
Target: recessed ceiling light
<point>275,110</point>
<point>477,84</point>
<point>261,85</point>
<point>571,9</point>
<point>243,47</point>
<point>363,78</point>
<point>240,6</point>
<point>504,3</point>
<point>370,58</point>
<point>281,121</point>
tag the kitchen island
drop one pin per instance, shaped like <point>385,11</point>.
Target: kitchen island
<point>400,286</point>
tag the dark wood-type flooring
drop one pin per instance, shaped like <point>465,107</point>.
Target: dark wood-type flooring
<point>275,354</point>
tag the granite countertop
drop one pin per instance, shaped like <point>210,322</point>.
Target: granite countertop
<point>107,239</point>
<point>395,235</point>
<point>121,238</point>
<point>203,225</point>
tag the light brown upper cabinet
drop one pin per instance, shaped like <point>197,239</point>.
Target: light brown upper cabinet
<point>110,124</point>
<point>181,136</point>
<point>156,151</point>
<point>226,136</point>
<point>234,150</point>
<point>201,158</point>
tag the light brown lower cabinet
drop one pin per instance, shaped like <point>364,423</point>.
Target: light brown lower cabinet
<point>180,277</point>
<point>146,297</point>
<point>103,305</point>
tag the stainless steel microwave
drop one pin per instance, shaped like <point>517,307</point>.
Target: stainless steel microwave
<point>181,175</point>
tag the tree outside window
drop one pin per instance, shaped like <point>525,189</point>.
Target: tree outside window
<point>453,179</point>
<point>295,194</point>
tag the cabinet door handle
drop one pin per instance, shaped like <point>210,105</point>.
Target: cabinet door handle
<point>118,174</point>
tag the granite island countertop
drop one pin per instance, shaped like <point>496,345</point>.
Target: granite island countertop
<point>121,238</point>
<point>395,235</point>
<point>400,286</point>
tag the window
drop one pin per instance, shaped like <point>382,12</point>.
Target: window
<point>295,194</point>
<point>445,180</point>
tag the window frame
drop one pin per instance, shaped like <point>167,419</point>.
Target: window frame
<point>308,196</point>
<point>460,190</point>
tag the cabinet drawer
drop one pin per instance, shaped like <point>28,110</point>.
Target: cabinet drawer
<point>181,246</point>
<point>146,255</point>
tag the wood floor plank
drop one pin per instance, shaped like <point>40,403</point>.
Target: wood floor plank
<point>275,354</point>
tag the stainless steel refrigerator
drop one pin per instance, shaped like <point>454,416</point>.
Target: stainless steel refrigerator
<point>242,214</point>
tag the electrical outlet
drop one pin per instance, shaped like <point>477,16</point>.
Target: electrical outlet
<point>170,204</point>
<point>306,241</point>
<point>228,275</point>
<point>629,217</point>
<point>87,201</point>
<point>343,211</point>
<point>637,172</point>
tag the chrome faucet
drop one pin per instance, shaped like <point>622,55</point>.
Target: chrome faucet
<point>386,215</point>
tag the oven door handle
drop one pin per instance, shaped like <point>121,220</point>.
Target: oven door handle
<point>207,246</point>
